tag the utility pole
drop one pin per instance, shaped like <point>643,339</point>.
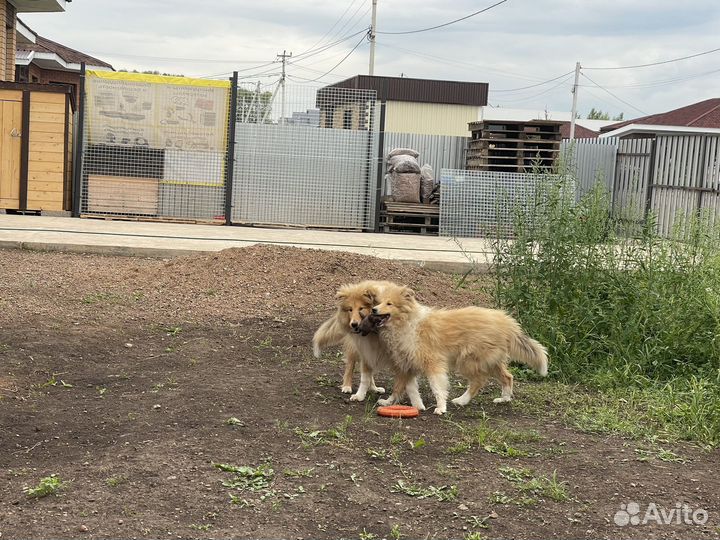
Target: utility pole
<point>283,57</point>
<point>574,105</point>
<point>373,26</point>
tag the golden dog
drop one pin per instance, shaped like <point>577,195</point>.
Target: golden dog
<point>354,303</point>
<point>476,342</point>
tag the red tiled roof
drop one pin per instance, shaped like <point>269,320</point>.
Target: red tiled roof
<point>580,132</point>
<point>70,56</point>
<point>704,114</point>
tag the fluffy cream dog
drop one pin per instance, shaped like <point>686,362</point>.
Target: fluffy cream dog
<point>355,302</point>
<point>477,343</point>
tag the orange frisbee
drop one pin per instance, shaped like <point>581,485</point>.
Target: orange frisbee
<point>398,411</point>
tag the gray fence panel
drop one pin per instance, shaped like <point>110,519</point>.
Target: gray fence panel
<point>483,203</point>
<point>309,176</point>
<point>590,161</point>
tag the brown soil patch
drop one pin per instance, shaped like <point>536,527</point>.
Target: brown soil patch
<point>120,375</point>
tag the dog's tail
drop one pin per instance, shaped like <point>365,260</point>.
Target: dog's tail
<point>525,349</point>
<point>330,333</point>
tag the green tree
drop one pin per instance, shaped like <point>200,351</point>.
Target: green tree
<point>597,114</point>
<point>253,107</point>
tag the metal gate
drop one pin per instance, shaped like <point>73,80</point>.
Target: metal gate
<point>686,178</point>
<point>315,165</point>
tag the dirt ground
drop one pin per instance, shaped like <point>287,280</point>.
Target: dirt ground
<point>132,379</point>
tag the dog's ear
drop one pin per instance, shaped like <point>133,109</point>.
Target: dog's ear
<point>408,293</point>
<point>370,294</point>
<point>342,293</point>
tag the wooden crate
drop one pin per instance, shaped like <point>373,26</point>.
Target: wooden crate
<point>123,195</point>
<point>410,217</point>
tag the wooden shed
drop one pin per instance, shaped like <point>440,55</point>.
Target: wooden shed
<point>36,123</point>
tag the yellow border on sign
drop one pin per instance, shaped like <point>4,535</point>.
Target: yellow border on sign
<point>157,79</point>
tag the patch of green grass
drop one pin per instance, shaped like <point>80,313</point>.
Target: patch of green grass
<point>298,473</point>
<point>333,435</point>
<point>325,381</point>
<point>502,441</point>
<point>377,453</point>
<point>395,533</point>
<point>247,478</point>
<point>397,438</point>
<point>115,481</point>
<point>204,527</point>
<point>527,482</point>
<point>54,381</point>
<point>441,493</point>
<point>48,485</point>
<point>364,535</point>
<point>173,331</point>
<point>652,413</point>
<point>168,384</point>
<point>474,536</point>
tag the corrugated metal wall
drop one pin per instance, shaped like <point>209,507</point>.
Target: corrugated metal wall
<point>591,161</point>
<point>429,118</point>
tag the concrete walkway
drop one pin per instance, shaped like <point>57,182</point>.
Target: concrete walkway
<point>170,240</point>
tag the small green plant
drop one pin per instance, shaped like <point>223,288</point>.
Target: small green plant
<point>397,438</point>
<point>474,536</point>
<point>232,421</point>
<point>364,535</point>
<point>441,493</point>
<point>325,381</point>
<point>247,478</point>
<point>525,481</point>
<point>48,485</point>
<point>298,473</point>
<point>477,522</point>
<point>334,435</point>
<point>173,331</point>
<point>377,453</point>
<point>115,481</point>
<point>415,445</point>
<point>266,343</point>
<point>54,381</point>
<point>101,390</point>
<point>395,532</point>
<point>204,527</point>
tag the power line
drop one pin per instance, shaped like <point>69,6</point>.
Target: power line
<point>656,63</point>
<point>534,85</point>
<point>326,34</point>
<point>613,95</point>
<point>514,100</point>
<point>459,62</point>
<point>340,62</point>
<point>313,52</point>
<point>664,82</point>
<point>447,23</point>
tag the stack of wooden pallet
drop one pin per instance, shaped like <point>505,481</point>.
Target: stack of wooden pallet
<point>410,218</point>
<point>513,146</point>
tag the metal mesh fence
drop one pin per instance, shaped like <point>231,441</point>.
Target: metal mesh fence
<point>484,203</point>
<point>305,157</point>
<point>154,146</point>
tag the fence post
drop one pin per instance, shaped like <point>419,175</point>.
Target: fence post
<point>380,169</point>
<point>230,157</point>
<point>78,153</point>
<point>650,179</point>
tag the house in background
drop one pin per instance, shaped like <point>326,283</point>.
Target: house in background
<point>423,106</point>
<point>40,60</point>
<point>9,10</point>
<point>700,117</point>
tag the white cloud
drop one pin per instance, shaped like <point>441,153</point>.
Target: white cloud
<point>512,45</point>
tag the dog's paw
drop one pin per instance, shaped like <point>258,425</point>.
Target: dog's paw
<point>317,352</point>
<point>440,411</point>
<point>459,401</point>
<point>357,397</point>
<point>502,400</point>
<point>386,402</point>
<point>346,389</point>
<point>378,390</point>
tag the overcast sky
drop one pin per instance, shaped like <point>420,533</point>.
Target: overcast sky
<point>516,44</point>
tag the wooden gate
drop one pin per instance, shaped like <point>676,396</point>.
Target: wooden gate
<point>10,144</point>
